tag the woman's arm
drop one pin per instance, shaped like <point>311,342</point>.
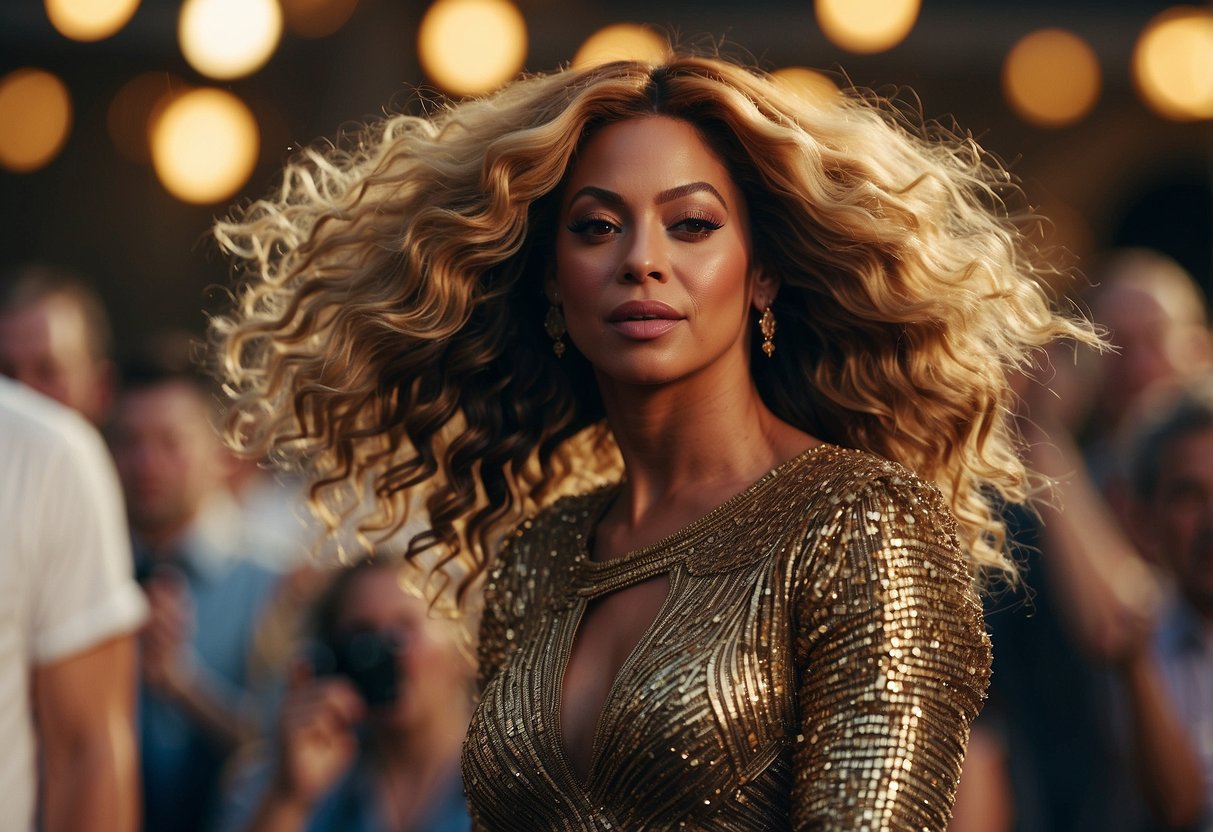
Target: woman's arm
<point>893,666</point>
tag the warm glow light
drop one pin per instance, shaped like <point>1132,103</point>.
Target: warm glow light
<point>1051,78</point>
<point>469,47</point>
<point>866,26</point>
<point>622,42</point>
<point>204,145</point>
<point>1173,63</point>
<point>317,18</point>
<point>229,38</point>
<point>807,83</point>
<point>35,117</point>
<point>90,19</point>
<point>134,107</point>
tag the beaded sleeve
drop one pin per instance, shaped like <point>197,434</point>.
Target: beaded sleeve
<point>892,665</point>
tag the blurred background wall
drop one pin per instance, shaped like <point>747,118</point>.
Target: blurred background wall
<point>1108,167</point>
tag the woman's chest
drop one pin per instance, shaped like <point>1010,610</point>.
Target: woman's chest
<point>698,710</point>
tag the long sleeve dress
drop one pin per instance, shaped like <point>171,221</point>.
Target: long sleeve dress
<point>815,665</point>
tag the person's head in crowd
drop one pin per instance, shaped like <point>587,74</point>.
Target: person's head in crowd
<point>1171,469</point>
<point>1156,317</point>
<point>55,337</point>
<point>432,671</point>
<point>373,720</point>
<point>164,441</point>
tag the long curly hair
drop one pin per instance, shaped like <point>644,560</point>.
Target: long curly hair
<point>389,338</point>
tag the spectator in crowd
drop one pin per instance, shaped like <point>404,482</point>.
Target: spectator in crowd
<point>68,613</point>
<point>191,554</point>
<point>1090,596</point>
<point>55,337</point>
<point>1156,315</point>
<point>370,731</point>
<point>1167,674</point>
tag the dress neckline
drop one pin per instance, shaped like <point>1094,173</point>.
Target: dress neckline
<point>601,502</point>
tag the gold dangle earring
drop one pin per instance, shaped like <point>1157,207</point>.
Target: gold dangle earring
<point>553,324</point>
<point>767,325</point>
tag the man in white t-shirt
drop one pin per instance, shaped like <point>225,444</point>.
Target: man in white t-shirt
<point>69,609</point>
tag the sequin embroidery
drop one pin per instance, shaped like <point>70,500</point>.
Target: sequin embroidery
<point>816,665</point>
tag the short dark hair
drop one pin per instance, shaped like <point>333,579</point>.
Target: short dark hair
<point>170,357</point>
<point>330,603</point>
<point>162,358</point>
<point>1190,412</point>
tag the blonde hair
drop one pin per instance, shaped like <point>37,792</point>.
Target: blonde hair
<point>389,336</point>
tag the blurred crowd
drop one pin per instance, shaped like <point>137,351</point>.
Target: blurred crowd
<point>194,662</point>
<point>178,657</point>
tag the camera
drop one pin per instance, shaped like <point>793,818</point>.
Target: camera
<point>367,658</point>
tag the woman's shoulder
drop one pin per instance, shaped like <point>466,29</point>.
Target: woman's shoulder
<point>798,504</point>
<point>554,531</point>
<point>566,515</point>
<point>850,475</point>
<point>885,526</point>
<point>832,478</point>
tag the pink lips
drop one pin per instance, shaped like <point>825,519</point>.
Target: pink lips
<point>643,320</point>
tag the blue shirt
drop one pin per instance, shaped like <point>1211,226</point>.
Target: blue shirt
<point>181,762</point>
<point>1183,646</point>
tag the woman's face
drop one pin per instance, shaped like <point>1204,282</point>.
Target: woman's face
<point>653,266</point>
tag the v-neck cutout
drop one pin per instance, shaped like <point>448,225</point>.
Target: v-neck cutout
<point>599,578</point>
<point>617,684</point>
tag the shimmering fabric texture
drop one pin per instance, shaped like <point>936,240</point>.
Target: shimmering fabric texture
<point>816,664</point>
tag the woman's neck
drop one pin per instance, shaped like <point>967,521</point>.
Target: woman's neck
<point>700,440</point>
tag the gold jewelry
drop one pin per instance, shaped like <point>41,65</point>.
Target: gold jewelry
<point>553,324</point>
<point>767,324</point>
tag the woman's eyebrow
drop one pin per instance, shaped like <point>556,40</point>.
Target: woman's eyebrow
<point>686,190</point>
<point>612,198</point>
<point>601,194</point>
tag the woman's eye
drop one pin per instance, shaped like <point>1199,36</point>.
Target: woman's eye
<point>696,226</point>
<point>593,227</point>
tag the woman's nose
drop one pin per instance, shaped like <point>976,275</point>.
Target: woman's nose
<point>645,259</point>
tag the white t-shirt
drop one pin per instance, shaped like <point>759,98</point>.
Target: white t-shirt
<point>65,566</point>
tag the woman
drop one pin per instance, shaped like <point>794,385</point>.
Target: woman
<point>782,319</point>
<point>370,729</point>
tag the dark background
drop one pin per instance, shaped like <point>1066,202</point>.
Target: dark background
<point>1120,176</point>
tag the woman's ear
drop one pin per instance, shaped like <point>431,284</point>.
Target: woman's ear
<point>763,289</point>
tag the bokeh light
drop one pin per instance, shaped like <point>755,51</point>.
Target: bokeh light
<point>134,108</point>
<point>316,18</point>
<point>622,42</point>
<point>1051,78</point>
<point>227,39</point>
<point>866,26</point>
<point>205,145</point>
<point>35,119</point>
<point>469,47</point>
<point>90,20</point>
<point>1173,63</point>
<point>809,84</point>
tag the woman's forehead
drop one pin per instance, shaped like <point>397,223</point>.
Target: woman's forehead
<point>648,154</point>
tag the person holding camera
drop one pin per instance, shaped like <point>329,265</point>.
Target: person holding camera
<point>370,728</point>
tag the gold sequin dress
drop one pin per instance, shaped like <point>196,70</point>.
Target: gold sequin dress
<point>816,664</point>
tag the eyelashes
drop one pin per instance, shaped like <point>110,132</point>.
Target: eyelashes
<point>698,226</point>
<point>593,226</point>
<point>693,224</point>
